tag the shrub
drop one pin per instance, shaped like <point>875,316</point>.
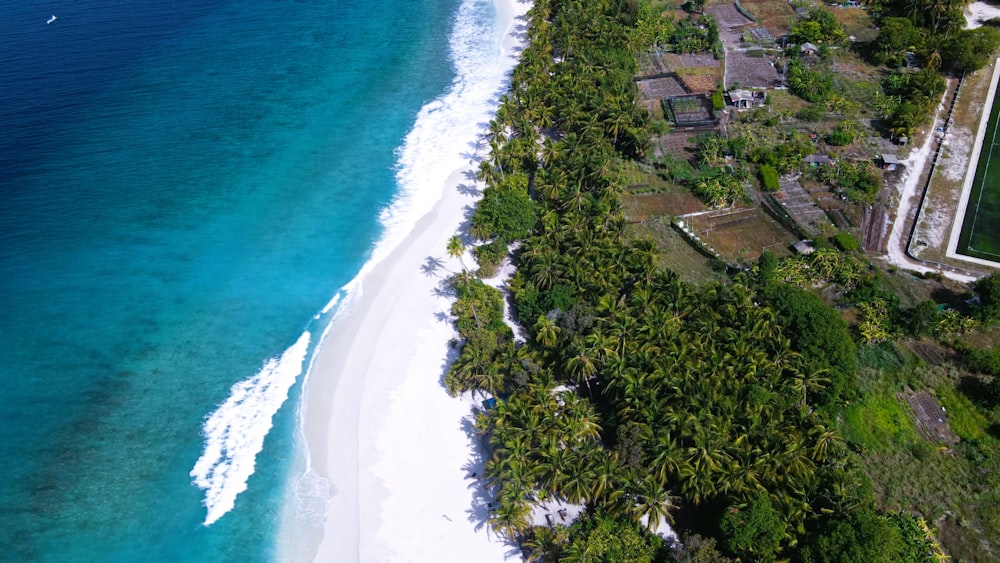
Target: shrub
<point>845,242</point>
<point>816,331</point>
<point>489,256</point>
<point>861,535</point>
<point>988,289</point>
<point>768,178</point>
<point>718,103</point>
<point>811,113</point>
<point>845,133</point>
<point>505,212</point>
<point>754,532</point>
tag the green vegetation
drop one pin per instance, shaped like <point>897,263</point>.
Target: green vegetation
<point>816,331</point>
<point>820,26</point>
<point>878,422</point>
<point>860,181</point>
<point>595,539</point>
<point>845,242</point>
<point>766,416</point>
<point>963,416</point>
<point>812,85</point>
<point>754,532</point>
<point>768,178</point>
<point>845,133</point>
<point>988,290</point>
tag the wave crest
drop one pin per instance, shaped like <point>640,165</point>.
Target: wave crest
<point>234,433</point>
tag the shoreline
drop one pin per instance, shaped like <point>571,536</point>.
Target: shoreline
<point>380,428</point>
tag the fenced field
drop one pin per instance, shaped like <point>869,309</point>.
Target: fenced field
<point>980,237</point>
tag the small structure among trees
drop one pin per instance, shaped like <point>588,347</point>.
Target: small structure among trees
<point>804,247</point>
<point>743,99</point>
<point>889,161</point>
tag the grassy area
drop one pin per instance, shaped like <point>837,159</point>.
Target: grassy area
<point>956,489</point>
<point>879,422</point>
<point>783,100</point>
<point>776,15</point>
<point>676,254</point>
<point>964,418</point>
<point>856,22</point>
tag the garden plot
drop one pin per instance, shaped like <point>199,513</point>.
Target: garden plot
<point>802,208</point>
<point>740,235</point>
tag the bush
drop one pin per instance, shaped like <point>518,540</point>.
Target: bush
<point>768,178</point>
<point>845,133</point>
<point>839,137</point>
<point>862,535</point>
<point>613,540</point>
<point>810,85</point>
<point>489,256</point>
<point>845,242</point>
<point>754,532</point>
<point>988,289</point>
<point>983,360</point>
<point>811,113</point>
<point>718,103</point>
<point>505,212</point>
<point>816,331</point>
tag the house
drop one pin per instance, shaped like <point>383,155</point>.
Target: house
<point>889,161</point>
<point>808,49</point>
<point>817,159</point>
<point>743,99</point>
<point>804,247</point>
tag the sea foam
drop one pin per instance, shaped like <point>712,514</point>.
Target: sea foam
<point>447,131</point>
<point>234,433</point>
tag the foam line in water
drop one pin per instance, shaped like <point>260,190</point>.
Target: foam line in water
<point>445,131</point>
<point>329,306</point>
<point>234,433</point>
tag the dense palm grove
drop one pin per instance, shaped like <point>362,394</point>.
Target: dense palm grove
<point>638,395</point>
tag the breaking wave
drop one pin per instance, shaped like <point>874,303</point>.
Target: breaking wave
<point>234,433</point>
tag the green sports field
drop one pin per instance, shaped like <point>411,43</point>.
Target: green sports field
<point>980,236</point>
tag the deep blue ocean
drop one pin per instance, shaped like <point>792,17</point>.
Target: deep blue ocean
<point>184,188</point>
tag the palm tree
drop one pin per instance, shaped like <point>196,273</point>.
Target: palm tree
<point>510,519</point>
<point>456,248</point>
<point>546,332</point>
<point>581,367</point>
<point>653,503</point>
<point>546,544</point>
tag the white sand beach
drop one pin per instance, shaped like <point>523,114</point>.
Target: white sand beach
<point>395,448</point>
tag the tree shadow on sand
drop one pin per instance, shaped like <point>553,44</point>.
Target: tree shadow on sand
<point>470,190</point>
<point>433,266</point>
<point>482,494</point>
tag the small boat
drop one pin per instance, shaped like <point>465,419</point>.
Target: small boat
<point>52,19</point>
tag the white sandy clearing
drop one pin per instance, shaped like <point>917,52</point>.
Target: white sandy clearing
<point>980,12</point>
<point>908,198</point>
<point>396,449</point>
<point>937,215</point>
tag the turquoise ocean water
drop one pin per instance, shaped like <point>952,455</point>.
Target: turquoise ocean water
<point>185,188</point>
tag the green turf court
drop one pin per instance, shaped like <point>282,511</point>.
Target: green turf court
<point>980,236</point>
